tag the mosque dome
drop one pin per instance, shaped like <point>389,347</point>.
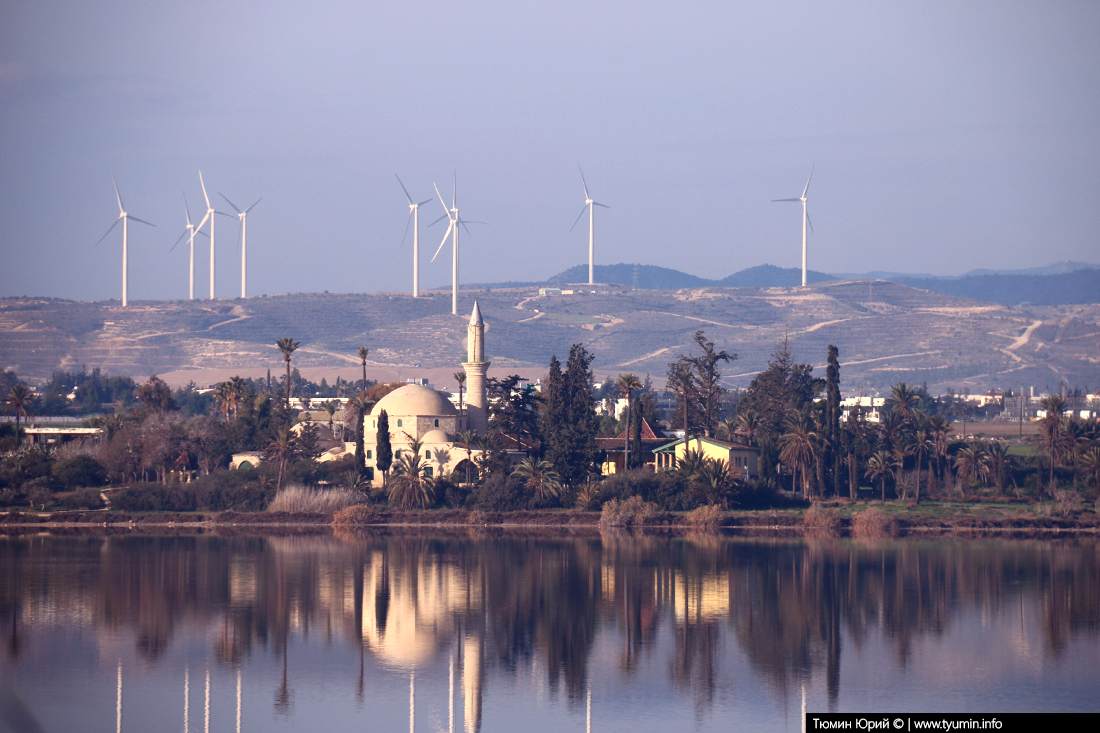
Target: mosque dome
<point>414,399</point>
<point>435,436</point>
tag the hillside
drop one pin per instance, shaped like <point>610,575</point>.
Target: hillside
<point>886,332</point>
<point>1062,283</point>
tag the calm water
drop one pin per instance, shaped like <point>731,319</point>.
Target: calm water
<point>465,633</point>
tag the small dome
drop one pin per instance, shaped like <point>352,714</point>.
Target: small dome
<point>435,436</point>
<point>414,399</point>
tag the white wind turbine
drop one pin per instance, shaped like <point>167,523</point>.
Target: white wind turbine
<point>590,205</point>
<point>452,231</point>
<point>805,222</point>
<point>243,216</point>
<point>414,217</point>
<point>124,218</point>
<point>189,231</point>
<point>210,211</point>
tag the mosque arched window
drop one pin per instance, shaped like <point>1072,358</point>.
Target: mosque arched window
<point>399,424</point>
<point>437,422</point>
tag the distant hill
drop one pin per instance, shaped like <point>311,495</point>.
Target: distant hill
<point>1063,283</point>
<point>886,332</point>
<point>1080,286</point>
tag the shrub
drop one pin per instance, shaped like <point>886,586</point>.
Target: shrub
<point>819,518</point>
<point>83,499</point>
<point>79,471</point>
<point>709,517</point>
<point>354,516</point>
<point>499,493</point>
<point>873,523</point>
<point>1069,501</point>
<point>301,499</point>
<point>631,512</point>
<point>588,495</point>
<point>155,498</point>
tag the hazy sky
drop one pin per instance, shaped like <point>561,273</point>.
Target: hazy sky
<point>946,135</point>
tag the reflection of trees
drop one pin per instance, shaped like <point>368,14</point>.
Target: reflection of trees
<point>496,602</point>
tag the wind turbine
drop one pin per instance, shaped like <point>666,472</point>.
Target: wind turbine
<point>590,205</point>
<point>805,222</point>
<point>124,218</point>
<point>189,231</point>
<point>414,216</point>
<point>452,231</point>
<point>210,211</point>
<point>243,216</point>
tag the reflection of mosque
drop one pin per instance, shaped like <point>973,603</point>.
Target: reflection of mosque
<point>421,606</point>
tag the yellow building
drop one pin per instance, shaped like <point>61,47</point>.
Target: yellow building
<point>740,458</point>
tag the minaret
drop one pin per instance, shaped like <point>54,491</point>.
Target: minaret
<point>477,413</point>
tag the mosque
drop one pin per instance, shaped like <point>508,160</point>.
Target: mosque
<point>420,413</point>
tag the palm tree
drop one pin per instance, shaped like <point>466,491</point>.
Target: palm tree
<point>968,464</point>
<point>223,397</point>
<point>897,458</point>
<point>692,462</point>
<point>1052,438</point>
<point>747,422</point>
<point>798,448</point>
<point>940,430</point>
<point>288,346</point>
<point>238,388</point>
<point>330,409</point>
<point>998,463</point>
<point>360,407</point>
<point>878,467</point>
<point>726,429</point>
<point>712,483</point>
<point>19,399</point>
<point>904,399</point>
<point>362,353</point>
<point>1089,464</point>
<point>410,488</point>
<point>467,439</point>
<point>281,447</point>
<point>922,445</point>
<point>538,477</point>
<point>625,386</point>
<point>460,377</point>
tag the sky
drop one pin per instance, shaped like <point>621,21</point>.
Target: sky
<point>944,136</point>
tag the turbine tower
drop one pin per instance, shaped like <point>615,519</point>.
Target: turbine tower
<point>210,211</point>
<point>124,218</point>
<point>243,216</point>
<point>414,217</point>
<point>590,205</point>
<point>452,231</point>
<point>189,231</point>
<point>805,222</point>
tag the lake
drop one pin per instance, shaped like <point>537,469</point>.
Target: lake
<point>474,630</point>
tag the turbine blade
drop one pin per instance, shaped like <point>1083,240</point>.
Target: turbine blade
<point>410,198</point>
<point>199,231</point>
<point>460,221</point>
<point>441,201</point>
<point>118,196</point>
<point>134,218</point>
<point>203,184</point>
<point>408,222</point>
<point>467,221</point>
<point>808,181</point>
<point>584,183</point>
<point>108,231</point>
<point>199,227</point>
<point>578,217</point>
<point>186,208</point>
<point>184,234</point>
<point>454,192</point>
<point>808,221</point>
<point>596,203</point>
<point>447,234</point>
<point>229,202</point>
<point>231,216</point>
<point>437,220</point>
<point>774,200</point>
<point>253,206</point>
<point>423,202</point>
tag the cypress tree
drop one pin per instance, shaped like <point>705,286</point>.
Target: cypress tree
<point>832,416</point>
<point>571,417</point>
<point>382,450</point>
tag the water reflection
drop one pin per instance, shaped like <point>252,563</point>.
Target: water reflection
<point>692,619</point>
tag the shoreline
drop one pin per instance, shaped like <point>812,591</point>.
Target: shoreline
<point>535,522</point>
